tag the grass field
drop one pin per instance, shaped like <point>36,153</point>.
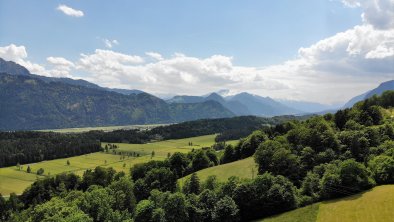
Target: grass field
<point>375,205</point>
<point>104,128</point>
<point>245,168</point>
<point>13,180</point>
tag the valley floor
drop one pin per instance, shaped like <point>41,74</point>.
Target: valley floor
<point>14,180</point>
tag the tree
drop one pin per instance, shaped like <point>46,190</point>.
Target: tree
<point>97,202</point>
<point>160,178</point>
<point>228,155</point>
<point>200,161</point>
<point>58,210</point>
<point>211,183</point>
<point>28,170</point>
<point>144,211</point>
<point>122,190</point>
<point>158,215</point>
<point>226,210</point>
<point>3,209</point>
<point>207,200</point>
<point>175,207</point>
<point>152,154</point>
<point>40,171</point>
<point>382,168</point>
<point>68,162</point>
<point>192,185</point>
<point>178,163</point>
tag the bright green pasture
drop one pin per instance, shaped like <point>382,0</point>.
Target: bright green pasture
<point>375,205</point>
<point>13,180</point>
<point>244,169</point>
<point>162,148</point>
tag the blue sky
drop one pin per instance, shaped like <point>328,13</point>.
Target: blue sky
<point>257,33</point>
<point>270,48</point>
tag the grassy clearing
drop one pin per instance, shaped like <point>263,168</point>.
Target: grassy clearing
<point>245,169</point>
<point>375,205</point>
<point>104,128</point>
<point>13,180</point>
<point>372,206</point>
<point>305,214</point>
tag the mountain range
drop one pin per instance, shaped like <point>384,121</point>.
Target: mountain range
<point>242,104</point>
<point>30,101</point>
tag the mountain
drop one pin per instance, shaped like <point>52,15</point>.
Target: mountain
<point>309,107</point>
<point>262,106</point>
<point>242,104</point>
<point>30,103</point>
<point>389,85</point>
<point>12,67</point>
<point>16,69</point>
<point>234,106</point>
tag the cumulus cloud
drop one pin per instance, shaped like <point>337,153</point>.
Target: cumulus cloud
<point>70,11</point>
<point>379,13</point>
<point>13,52</point>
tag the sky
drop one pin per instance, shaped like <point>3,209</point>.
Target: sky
<point>323,51</point>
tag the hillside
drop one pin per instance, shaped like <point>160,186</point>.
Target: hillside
<point>242,104</point>
<point>244,169</point>
<point>389,85</point>
<point>371,206</point>
<point>54,105</point>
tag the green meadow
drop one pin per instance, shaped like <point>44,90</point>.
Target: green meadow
<point>375,205</point>
<point>244,169</point>
<point>15,180</point>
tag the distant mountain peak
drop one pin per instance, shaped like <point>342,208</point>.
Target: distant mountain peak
<point>13,68</point>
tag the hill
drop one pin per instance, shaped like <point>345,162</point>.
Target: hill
<point>244,169</point>
<point>54,105</point>
<point>389,85</point>
<point>371,206</point>
<point>242,104</point>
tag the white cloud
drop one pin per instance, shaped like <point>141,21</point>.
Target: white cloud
<point>59,61</point>
<point>110,43</point>
<point>154,55</point>
<point>13,52</point>
<point>379,13</point>
<point>331,70</point>
<point>70,11</point>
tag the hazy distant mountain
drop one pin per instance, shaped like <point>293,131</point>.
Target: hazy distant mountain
<point>262,106</point>
<point>234,106</point>
<point>28,102</point>
<point>389,85</point>
<point>309,107</point>
<point>242,104</point>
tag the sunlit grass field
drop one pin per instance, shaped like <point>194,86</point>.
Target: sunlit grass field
<point>13,180</point>
<point>375,205</point>
<point>244,169</point>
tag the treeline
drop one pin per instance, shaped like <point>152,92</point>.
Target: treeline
<point>28,147</point>
<point>227,128</point>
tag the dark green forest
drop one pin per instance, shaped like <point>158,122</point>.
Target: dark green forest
<point>299,162</point>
